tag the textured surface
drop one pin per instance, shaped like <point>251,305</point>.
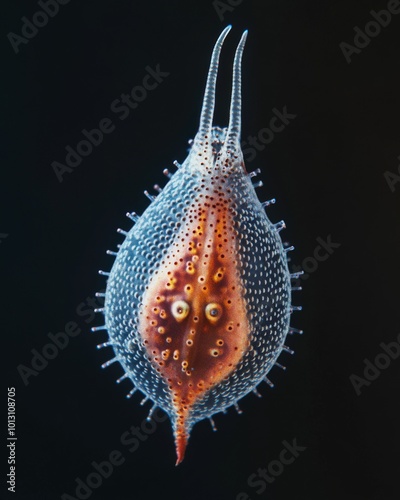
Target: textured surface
<point>180,233</point>
<point>197,303</point>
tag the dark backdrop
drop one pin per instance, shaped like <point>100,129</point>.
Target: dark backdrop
<point>334,170</point>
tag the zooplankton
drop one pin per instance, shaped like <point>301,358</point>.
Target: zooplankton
<point>198,301</point>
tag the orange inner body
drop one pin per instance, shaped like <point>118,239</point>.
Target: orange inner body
<point>193,319</point>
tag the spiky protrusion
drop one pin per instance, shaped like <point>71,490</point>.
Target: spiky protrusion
<point>193,281</point>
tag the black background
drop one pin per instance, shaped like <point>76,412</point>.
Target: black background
<point>326,170</point>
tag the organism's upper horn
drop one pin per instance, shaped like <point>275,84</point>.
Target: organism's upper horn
<point>207,111</point>
<point>235,114</point>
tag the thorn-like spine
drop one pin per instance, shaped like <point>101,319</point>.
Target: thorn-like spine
<point>257,393</point>
<point>288,249</point>
<point>144,400</point>
<point>258,184</point>
<point>100,294</point>
<point>296,288</point>
<point>109,362</point>
<point>213,426</point>
<point>110,252</point>
<point>279,226</point>
<point>98,328</point>
<point>99,309</point>
<point>268,381</point>
<point>133,216</point>
<point>237,408</point>
<point>167,173</point>
<point>267,203</point>
<point>103,273</point>
<point>131,393</point>
<point>121,231</point>
<point>296,275</point>
<point>287,349</point>
<point>280,366</point>
<point>295,330</point>
<point>254,173</point>
<point>296,308</point>
<point>149,196</point>
<point>152,409</point>
<point>176,162</point>
<point>157,188</point>
<point>105,344</point>
<point>120,379</point>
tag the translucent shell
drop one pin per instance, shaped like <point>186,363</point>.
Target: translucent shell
<point>198,300</point>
